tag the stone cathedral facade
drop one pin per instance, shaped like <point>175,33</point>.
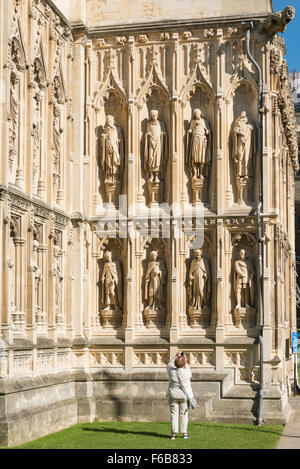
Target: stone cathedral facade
<point>129,187</point>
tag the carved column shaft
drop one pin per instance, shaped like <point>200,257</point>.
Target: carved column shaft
<point>220,303</point>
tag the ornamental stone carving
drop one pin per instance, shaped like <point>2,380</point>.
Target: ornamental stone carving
<point>155,291</point>
<point>277,22</point>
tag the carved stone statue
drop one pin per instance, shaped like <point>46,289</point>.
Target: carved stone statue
<point>199,146</point>
<point>16,53</point>
<point>36,145</point>
<point>154,290</point>
<point>57,131</point>
<point>111,283</point>
<point>156,149</point>
<point>12,287</point>
<point>199,284</point>
<point>37,277</point>
<point>38,74</point>
<point>58,279</point>
<point>111,296</point>
<point>243,147</point>
<point>112,150</point>
<point>244,274</point>
<point>14,118</point>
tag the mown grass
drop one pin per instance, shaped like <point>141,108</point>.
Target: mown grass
<point>156,435</point>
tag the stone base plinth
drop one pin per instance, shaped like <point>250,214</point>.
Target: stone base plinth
<point>110,318</point>
<point>199,317</point>
<point>154,318</point>
<point>244,317</point>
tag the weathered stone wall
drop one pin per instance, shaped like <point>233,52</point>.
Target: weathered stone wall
<point>121,12</point>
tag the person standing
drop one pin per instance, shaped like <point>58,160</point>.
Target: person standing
<point>179,374</point>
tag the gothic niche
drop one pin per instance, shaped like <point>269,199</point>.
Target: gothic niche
<point>244,281</point>
<point>37,279</point>
<point>58,278</point>
<point>199,155</point>
<point>153,106</point>
<point>57,131</point>
<point>198,112</point>
<point>199,290</point>
<point>13,262</point>
<point>243,145</point>
<point>17,65</point>
<point>111,292</point>
<point>155,155</point>
<point>112,158</point>
<point>243,155</point>
<point>14,116</point>
<point>154,288</point>
<point>39,83</point>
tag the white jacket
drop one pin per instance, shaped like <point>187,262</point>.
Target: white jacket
<point>174,389</point>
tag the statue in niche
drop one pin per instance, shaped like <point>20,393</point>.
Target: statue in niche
<point>57,131</point>
<point>57,90</point>
<point>16,53</point>
<point>199,286</point>
<point>199,146</point>
<point>244,274</point>
<point>37,276</point>
<point>154,290</point>
<point>14,118</point>
<point>58,279</point>
<point>156,149</point>
<point>12,288</point>
<point>36,134</point>
<point>243,147</point>
<point>111,292</point>
<point>112,150</point>
<point>38,75</point>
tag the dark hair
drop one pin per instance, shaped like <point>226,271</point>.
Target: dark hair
<point>180,361</point>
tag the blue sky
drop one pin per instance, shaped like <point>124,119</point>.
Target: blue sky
<point>292,34</point>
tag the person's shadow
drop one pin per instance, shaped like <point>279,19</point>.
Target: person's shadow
<point>125,432</point>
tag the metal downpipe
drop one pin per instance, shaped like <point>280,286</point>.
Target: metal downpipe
<point>259,226</point>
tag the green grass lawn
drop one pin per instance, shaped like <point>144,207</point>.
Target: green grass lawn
<point>155,435</point>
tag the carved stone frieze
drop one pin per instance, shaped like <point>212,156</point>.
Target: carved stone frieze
<point>150,358</point>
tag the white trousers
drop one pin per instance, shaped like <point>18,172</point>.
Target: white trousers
<point>179,412</point>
